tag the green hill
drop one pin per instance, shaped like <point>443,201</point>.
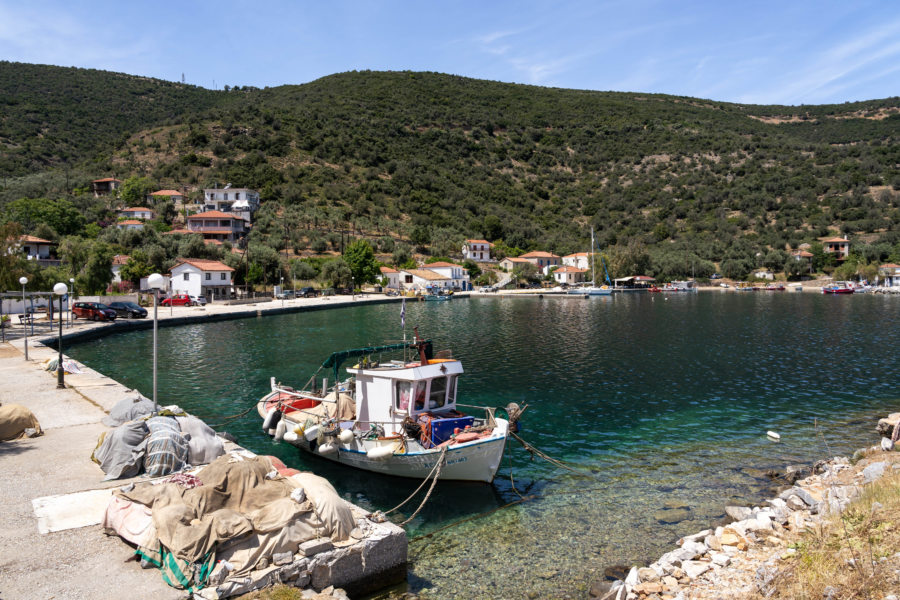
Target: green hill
<point>434,158</point>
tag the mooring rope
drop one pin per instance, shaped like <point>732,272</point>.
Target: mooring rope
<point>547,457</point>
<point>434,475</point>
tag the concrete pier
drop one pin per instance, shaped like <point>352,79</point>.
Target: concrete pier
<point>83,562</point>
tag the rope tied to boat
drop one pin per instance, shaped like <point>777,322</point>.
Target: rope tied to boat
<point>434,475</point>
<point>554,461</point>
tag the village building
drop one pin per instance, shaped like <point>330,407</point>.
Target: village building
<point>477,250</point>
<point>105,186</point>
<point>764,274</point>
<point>569,275</point>
<point>38,249</point>
<point>208,278</point>
<point>118,261</point>
<point>543,260</point>
<point>173,195</point>
<point>838,246</point>
<point>511,262</point>
<point>242,202</point>
<point>392,276</point>
<point>889,273</point>
<point>459,277</point>
<point>137,212</point>
<point>130,224</point>
<point>581,260</point>
<point>217,225</point>
<point>423,280</point>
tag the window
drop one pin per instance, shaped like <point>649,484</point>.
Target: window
<point>208,276</point>
<point>401,398</point>
<point>437,396</point>
<point>225,196</point>
<point>405,390</point>
<point>451,389</point>
<point>408,279</point>
<point>237,195</point>
<point>222,276</point>
<point>187,276</point>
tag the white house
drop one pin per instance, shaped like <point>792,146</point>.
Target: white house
<point>459,277</point>
<point>838,246</point>
<point>35,248</point>
<point>118,262</point>
<point>393,277</point>
<point>477,250</point>
<point>198,277</point>
<point>889,274</point>
<point>569,275</point>
<point>136,212</point>
<point>542,259</point>
<point>240,201</point>
<point>580,260</point>
<point>764,274</point>
<point>130,224</point>
<point>175,196</point>
<point>423,279</point>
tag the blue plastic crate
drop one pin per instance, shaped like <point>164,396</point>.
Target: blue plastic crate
<point>442,429</point>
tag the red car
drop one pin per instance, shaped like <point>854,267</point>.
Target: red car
<point>95,311</point>
<point>177,300</point>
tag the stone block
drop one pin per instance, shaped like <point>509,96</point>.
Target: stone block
<point>738,513</point>
<point>313,547</point>
<point>873,471</point>
<point>694,568</point>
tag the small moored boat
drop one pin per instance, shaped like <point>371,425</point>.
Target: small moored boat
<point>394,417</point>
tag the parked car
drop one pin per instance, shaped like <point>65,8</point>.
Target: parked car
<point>286,295</point>
<point>129,310</point>
<point>94,311</point>
<point>715,276</point>
<point>177,300</point>
<point>198,300</point>
<point>307,292</point>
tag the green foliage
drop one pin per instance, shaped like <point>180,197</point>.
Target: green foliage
<point>98,271</point>
<point>336,274</point>
<point>60,214</point>
<point>360,258</point>
<point>402,256</point>
<point>138,266</point>
<point>134,190</point>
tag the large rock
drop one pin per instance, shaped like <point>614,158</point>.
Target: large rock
<point>873,471</point>
<point>730,537</point>
<point>886,425</point>
<point>694,568</point>
<point>738,513</point>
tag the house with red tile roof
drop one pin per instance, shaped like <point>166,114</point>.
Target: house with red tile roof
<point>211,279</point>
<point>393,277</point>
<point>543,260</point>
<point>582,260</point>
<point>39,249</point>
<point>423,279</point>
<point>889,273</point>
<point>477,250</point>
<point>130,224</point>
<point>173,195</point>
<point>459,277</point>
<point>218,225</point>
<point>136,212</point>
<point>838,246</point>
<point>119,261</point>
<point>511,262</point>
<point>105,186</point>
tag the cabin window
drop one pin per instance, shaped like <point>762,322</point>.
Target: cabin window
<point>451,389</point>
<point>437,397</point>
<point>407,390</point>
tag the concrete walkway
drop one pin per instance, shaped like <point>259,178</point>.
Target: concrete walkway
<point>81,562</point>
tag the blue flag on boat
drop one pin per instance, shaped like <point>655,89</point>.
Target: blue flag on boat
<point>403,313</point>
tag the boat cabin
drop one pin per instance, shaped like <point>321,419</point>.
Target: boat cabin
<point>388,393</point>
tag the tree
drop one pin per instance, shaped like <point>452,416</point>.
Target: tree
<point>360,257</point>
<point>98,270</point>
<point>493,228</point>
<point>60,214</point>
<point>135,189</point>
<point>138,266</point>
<point>527,272</point>
<point>74,253</point>
<point>301,269</point>
<point>401,255</point>
<point>336,274</point>
<point>11,259</point>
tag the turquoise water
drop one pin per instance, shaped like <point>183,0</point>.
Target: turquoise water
<point>661,402</point>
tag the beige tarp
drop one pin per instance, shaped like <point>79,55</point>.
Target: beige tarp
<point>344,408</point>
<point>14,420</point>
<point>237,507</point>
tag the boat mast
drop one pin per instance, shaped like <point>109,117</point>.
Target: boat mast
<point>593,277</point>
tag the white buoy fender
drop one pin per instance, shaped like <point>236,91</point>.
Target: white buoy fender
<point>346,436</point>
<point>328,448</point>
<point>291,436</point>
<point>312,433</point>
<point>380,452</point>
<point>773,436</point>
<point>280,430</point>
<point>272,418</point>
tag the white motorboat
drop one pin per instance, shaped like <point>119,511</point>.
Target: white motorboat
<point>392,417</point>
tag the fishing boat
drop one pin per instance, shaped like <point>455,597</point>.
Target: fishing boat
<point>437,296</point>
<point>391,416</point>
<point>592,289</point>
<point>680,286</point>
<point>838,287</point>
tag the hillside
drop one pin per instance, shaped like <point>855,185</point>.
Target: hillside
<point>433,158</point>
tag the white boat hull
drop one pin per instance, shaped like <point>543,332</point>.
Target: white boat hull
<point>478,460</point>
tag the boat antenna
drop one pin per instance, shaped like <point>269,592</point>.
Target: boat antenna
<point>593,277</point>
<point>420,345</point>
<point>403,324</point>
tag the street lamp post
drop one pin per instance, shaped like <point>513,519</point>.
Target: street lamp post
<point>282,291</point>
<point>60,289</point>
<point>23,281</point>
<point>353,288</point>
<point>71,301</point>
<point>156,283</point>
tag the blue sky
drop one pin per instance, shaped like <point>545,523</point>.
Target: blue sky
<point>765,52</point>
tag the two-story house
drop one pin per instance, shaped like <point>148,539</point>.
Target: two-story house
<point>105,186</point>
<point>580,260</point>
<point>196,277</point>
<point>217,225</point>
<point>838,246</point>
<point>889,273</point>
<point>239,201</point>
<point>477,250</point>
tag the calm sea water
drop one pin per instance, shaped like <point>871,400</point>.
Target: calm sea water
<point>661,404</point>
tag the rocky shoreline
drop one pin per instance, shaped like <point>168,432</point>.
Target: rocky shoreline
<point>746,556</point>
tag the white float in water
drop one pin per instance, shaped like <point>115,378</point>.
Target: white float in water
<point>291,436</point>
<point>773,436</point>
